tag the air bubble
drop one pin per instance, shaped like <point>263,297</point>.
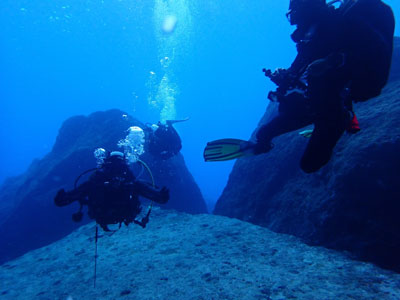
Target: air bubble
<point>169,24</point>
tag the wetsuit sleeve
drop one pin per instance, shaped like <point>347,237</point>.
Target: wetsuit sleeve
<point>64,198</point>
<point>299,62</point>
<point>148,191</point>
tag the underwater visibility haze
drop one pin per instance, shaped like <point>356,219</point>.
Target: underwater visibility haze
<point>63,58</point>
<point>200,60</point>
<point>60,59</point>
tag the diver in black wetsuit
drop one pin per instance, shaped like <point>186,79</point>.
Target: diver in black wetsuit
<point>344,55</point>
<point>112,194</point>
<point>163,140</point>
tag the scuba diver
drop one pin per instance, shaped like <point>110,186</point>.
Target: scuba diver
<point>163,140</point>
<point>111,193</point>
<point>344,56</point>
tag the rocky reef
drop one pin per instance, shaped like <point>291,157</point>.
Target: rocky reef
<point>351,204</point>
<point>192,257</point>
<point>395,70</point>
<point>28,216</point>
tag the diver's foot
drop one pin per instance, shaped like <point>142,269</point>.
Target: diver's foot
<point>261,147</point>
<point>77,217</point>
<point>353,125</point>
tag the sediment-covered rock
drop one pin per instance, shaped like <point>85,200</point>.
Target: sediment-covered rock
<point>192,257</point>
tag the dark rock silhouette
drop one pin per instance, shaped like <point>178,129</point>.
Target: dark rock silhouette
<point>28,217</point>
<point>351,204</point>
<point>395,70</point>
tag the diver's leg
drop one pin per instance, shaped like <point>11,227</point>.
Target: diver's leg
<point>281,124</point>
<point>327,94</point>
<point>319,149</point>
<point>294,113</point>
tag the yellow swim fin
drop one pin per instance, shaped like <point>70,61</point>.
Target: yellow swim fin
<point>307,133</point>
<point>227,149</point>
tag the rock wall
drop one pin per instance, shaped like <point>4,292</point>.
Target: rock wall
<point>353,203</point>
<point>28,216</point>
<point>395,70</point>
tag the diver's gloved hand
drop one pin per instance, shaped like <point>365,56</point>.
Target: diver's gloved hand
<point>262,147</point>
<point>77,217</point>
<point>164,196</point>
<point>161,196</point>
<point>279,76</point>
<point>59,199</point>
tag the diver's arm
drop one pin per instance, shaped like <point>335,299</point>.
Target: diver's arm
<point>148,191</point>
<point>64,198</point>
<point>298,64</point>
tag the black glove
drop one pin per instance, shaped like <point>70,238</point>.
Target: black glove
<point>280,77</point>
<point>77,217</point>
<point>261,147</point>
<point>59,198</point>
<point>164,195</point>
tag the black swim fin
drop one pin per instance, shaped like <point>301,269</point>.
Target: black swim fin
<point>227,149</point>
<point>172,122</point>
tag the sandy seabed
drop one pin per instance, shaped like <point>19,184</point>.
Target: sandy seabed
<point>192,257</point>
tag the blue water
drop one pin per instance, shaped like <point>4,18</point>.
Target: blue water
<point>63,58</point>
